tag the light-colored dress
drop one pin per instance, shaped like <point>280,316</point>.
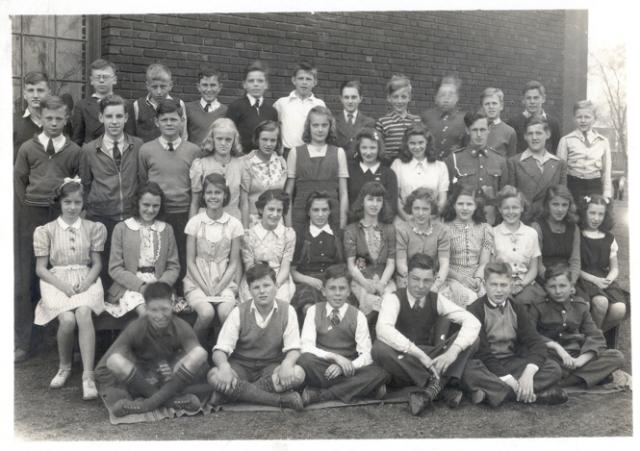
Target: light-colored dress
<point>420,174</point>
<point>201,167</point>
<point>213,249</point>
<point>259,176</point>
<point>273,246</point>
<point>69,250</point>
<point>150,248</point>
<point>467,243</point>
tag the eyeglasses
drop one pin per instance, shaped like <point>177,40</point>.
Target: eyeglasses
<point>101,77</point>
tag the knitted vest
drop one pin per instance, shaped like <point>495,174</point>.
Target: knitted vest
<point>257,344</point>
<point>417,324</point>
<point>341,339</point>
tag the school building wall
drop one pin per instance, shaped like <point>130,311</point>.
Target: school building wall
<point>504,49</point>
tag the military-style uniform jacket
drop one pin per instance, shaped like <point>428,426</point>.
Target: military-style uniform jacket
<point>484,170</point>
<point>569,324</point>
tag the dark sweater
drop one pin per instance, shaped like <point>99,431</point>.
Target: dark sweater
<point>256,344</point>
<point>198,120</point>
<point>519,122</point>
<point>383,174</point>
<point>23,130</point>
<point>86,125</point>
<point>246,119</point>
<point>341,339</point>
<point>529,344</point>
<point>36,175</point>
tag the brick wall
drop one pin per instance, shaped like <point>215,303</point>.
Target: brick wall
<point>503,49</point>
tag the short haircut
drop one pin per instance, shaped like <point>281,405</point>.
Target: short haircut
<point>158,71</point>
<point>258,271</point>
<point>267,126</point>
<point>536,120</point>
<point>209,72</point>
<point>148,188</point>
<point>596,199</point>
<point>222,123</point>
<point>219,181</point>
<point>414,130</point>
<point>534,84</point>
<point>470,118</point>
<point>273,194</point>
<point>375,189</point>
<point>585,105</point>
<point>420,261</point>
<point>101,63</point>
<point>457,190</point>
<point>557,269</point>
<point>509,191</point>
<point>112,100</point>
<point>373,135</point>
<point>398,81</point>
<point>306,66</point>
<point>256,66</point>
<point>168,106</point>
<point>563,192</point>
<point>424,194</point>
<point>35,77</point>
<point>54,103</point>
<point>336,271</point>
<point>488,92</point>
<point>351,84</point>
<point>496,267</point>
<point>320,110</point>
<point>450,80</point>
<point>65,189</point>
<point>158,290</point>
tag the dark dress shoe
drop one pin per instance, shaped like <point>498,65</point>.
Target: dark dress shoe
<point>417,402</point>
<point>552,396</point>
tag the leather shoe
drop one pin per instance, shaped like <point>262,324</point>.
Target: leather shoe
<point>292,400</point>
<point>380,392</point>
<point>452,396</point>
<point>310,396</point>
<point>552,396</point>
<point>418,401</point>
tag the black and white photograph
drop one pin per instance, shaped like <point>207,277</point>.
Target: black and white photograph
<point>293,223</point>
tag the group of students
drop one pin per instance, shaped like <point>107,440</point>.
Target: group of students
<point>261,242</point>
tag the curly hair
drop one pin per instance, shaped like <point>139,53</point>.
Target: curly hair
<point>219,181</point>
<point>424,194</point>
<point>563,192</point>
<point>417,130</point>
<point>272,194</point>
<point>222,123</point>
<point>320,110</point>
<point>457,190</point>
<point>148,188</point>
<point>596,199</point>
<point>373,189</point>
<point>373,135</point>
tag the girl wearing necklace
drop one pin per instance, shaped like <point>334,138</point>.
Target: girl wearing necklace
<point>370,248</point>
<point>558,234</point>
<point>517,244</point>
<point>471,245</point>
<point>422,234</point>
<point>221,149</point>
<point>143,251</point>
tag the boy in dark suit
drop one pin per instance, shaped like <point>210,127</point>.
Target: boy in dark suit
<point>511,361</point>
<point>351,120</point>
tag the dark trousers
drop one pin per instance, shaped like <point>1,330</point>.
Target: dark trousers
<point>406,370</point>
<point>478,377</point>
<point>179,221</point>
<point>596,369</point>
<point>26,288</point>
<point>362,383</point>
<point>110,224</point>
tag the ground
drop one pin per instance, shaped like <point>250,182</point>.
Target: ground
<point>43,414</point>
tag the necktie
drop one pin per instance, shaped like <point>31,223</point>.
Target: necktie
<point>256,105</point>
<point>207,108</point>
<point>335,318</point>
<point>586,140</point>
<point>350,118</point>
<point>419,304</point>
<point>117,156</point>
<point>170,146</point>
<point>51,151</point>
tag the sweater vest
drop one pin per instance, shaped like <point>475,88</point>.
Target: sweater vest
<point>417,324</point>
<point>340,339</point>
<point>257,344</point>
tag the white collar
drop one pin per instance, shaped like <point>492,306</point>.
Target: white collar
<point>346,115</point>
<point>315,231</point>
<point>108,142</point>
<point>221,220</point>
<point>97,96</point>
<point>496,121</point>
<point>214,105</point>
<point>253,307</point>
<point>502,228</point>
<point>366,168</point>
<point>412,300</point>
<point>252,100</point>
<point>414,163</point>
<point>526,114</point>
<point>293,95</point>
<point>262,232</point>
<point>494,305</point>
<point>255,159</point>
<point>76,225</point>
<point>35,120</point>
<point>545,156</point>
<point>135,225</point>
<point>58,141</point>
<point>341,311</point>
<point>165,144</point>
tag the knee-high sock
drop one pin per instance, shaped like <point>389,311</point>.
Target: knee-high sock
<point>247,392</point>
<point>136,383</point>
<point>180,379</point>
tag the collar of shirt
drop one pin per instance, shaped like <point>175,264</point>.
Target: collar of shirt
<point>419,164</point>
<point>134,224</point>
<point>502,229</point>
<point>494,305</point>
<point>526,114</point>
<point>346,115</point>
<point>446,114</point>
<point>496,121</point>
<point>315,231</point>
<point>363,226</point>
<point>546,156</point>
<point>259,319</point>
<point>373,169</point>
<point>97,96</point>
<point>214,105</point>
<point>253,100</point>
<point>294,96</point>
<point>412,300</point>
<point>221,220</point>
<point>398,116</point>
<point>255,159</point>
<point>591,134</point>
<point>76,225</point>
<point>35,120</point>
<point>341,311</point>
<point>165,144</point>
<point>107,144</point>
<point>58,141</point>
<point>262,232</point>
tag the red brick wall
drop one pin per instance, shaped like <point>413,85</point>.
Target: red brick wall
<point>503,49</point>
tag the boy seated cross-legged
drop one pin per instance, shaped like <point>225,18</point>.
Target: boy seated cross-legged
<point>157,357</point>
<point>336,347</point>
<point>258,345</point>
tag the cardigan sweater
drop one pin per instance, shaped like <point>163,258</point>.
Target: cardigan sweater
<point>247,118</point>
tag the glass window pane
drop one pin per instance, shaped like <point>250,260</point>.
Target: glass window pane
<point>16,24</point>
<point>38,54</point>
<point>69,60</point>
<point>74,89</point>
<point>40,25</point>
<point>69,27</point>
<point>16,51</point>
<point>17,95</point>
